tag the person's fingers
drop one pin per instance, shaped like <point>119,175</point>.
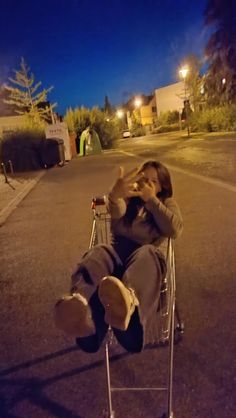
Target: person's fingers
<point>139,176</point>
<point>121,172</point>
<point>153,185</point>
<point>129,185</point>
<point>134,193</point>
<point>131,174</point>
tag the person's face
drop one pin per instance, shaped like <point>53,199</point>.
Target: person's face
<point>150,175</point>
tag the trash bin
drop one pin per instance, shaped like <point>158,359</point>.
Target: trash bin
<point>54,152</point>
<point>61,147</point>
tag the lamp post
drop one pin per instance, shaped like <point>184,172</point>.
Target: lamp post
<point>137,104</point>
<point>120,113</point>
<point>123,115</point>
<point>183,73</point>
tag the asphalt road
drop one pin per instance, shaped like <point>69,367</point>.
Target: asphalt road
<point>43,375</point>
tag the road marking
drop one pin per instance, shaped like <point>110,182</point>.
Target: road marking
<point>206,179</point>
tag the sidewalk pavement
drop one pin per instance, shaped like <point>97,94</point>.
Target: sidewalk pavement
<point>15,190</point>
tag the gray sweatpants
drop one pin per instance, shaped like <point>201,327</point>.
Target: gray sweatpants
<point>142,270</point>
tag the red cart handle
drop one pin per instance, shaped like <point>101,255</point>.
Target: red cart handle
<point>98,201</point>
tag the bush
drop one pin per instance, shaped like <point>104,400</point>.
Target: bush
<point>166,128</point>
<point>168,118</point>
<point>138,130</point>
<point>29,150</point>
<point>212,119</point>
<point>108,129</point>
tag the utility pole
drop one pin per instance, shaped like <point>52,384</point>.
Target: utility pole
<point>183,73</point>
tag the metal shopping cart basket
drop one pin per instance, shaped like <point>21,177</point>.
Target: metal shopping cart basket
<point>170,326</point>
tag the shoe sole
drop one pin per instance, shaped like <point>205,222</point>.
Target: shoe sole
<point>112,295</point>
<point>73,315</point>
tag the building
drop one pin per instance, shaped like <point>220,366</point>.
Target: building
<point>11,123</point>
<point>170,97</point>
<point>164,99</point>
<point>148,111</point>
<point>145,113</point>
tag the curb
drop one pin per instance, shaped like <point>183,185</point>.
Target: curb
<point>12,205</point>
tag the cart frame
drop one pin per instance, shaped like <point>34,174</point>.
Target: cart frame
<point>172,327</point>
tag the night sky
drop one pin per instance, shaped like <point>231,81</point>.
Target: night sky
<point>89,49</point>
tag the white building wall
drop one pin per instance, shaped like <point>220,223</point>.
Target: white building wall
<point>11,123</point>
<point>170,97</point>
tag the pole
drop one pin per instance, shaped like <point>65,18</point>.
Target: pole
<point>11,166</point>
<point>5,175</point>
<point>52,115</point>
<point>186,107</point>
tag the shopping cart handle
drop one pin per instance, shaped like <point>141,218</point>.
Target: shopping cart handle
<point>98,200</point>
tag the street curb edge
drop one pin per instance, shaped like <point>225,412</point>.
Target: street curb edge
<point>12,205</point>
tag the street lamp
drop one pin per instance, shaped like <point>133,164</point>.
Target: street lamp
<point>137,104</point>
<point>123,116</point>
<point>120,113</point>
<point>183,72</point>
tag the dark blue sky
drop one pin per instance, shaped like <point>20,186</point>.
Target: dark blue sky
<point>87,49</point>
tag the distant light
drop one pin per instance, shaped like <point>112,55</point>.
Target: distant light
<point>183,72</point>
<point>137,102</point>
<point>120,113</point>
<point>108,120</point>
<point>223,80</point>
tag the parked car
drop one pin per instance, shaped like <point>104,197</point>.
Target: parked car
<point>126,134</point>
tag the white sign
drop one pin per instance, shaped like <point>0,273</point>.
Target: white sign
<point>60,130</point>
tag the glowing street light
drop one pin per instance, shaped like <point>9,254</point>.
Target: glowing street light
<point>137,102</point>
<point>120,113</point>
<point>223,81</point>
<point>183,72</point>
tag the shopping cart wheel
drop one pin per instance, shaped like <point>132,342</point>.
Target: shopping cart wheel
<point>178,333</point>
<point>106,414</point>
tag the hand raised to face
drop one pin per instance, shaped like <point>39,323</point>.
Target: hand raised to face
<point>124,185</point>
<point>147,190</point>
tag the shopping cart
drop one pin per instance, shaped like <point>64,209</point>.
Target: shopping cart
<point>170,327</point>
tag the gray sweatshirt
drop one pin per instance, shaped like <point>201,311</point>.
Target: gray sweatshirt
<point>166,222</point>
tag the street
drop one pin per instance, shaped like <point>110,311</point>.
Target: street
<point>42,373</point>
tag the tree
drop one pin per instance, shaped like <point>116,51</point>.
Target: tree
<point>107,106</point>
<point>25,97</point>
<point>221,51</point>
<point>5,109</point>
<point>194,81</point>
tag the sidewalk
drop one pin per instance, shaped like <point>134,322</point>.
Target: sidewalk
<point>12,193</point>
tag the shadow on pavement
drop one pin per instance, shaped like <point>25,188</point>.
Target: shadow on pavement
<point>31,389</point>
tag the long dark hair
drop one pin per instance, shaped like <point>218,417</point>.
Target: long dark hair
<point>135,203</point>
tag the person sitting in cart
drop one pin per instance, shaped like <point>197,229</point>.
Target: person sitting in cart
<point>119,284</point>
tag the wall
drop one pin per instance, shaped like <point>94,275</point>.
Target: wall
<point>11,123</point>
<point>170,97</point>
<point>147,114</point>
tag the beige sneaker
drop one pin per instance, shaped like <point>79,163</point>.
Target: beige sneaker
<point>118,300</point>
<point>73,315</point>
